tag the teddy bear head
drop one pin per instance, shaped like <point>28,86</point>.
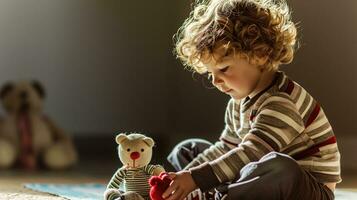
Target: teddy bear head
<point>23,96</point>
<point>135,150</point>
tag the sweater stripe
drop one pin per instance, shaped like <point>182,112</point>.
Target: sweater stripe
<point>290,87</point>
<point>313,115</point>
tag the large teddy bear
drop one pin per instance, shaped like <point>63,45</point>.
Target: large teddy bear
<point>28,138</point>
<point>131,181</point>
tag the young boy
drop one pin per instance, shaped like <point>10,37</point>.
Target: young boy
<point>277,142</point>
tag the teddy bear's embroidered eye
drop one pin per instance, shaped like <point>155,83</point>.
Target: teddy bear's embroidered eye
<point>142,150</point>
<point>128,150</point>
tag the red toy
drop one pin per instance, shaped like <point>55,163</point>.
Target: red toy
<point>158,185</point>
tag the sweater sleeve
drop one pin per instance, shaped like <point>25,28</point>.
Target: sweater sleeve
<point>149,169</point>
<point>227,140</point>
<point>276,124</point>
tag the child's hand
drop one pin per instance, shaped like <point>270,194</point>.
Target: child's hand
<point>182,184</point>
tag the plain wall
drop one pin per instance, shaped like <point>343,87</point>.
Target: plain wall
<point>103,63</point>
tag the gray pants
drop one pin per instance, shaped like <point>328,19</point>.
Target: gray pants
<point>274,176</point>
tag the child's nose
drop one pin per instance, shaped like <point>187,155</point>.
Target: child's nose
<point>135,155</point>
<point>216,80</point>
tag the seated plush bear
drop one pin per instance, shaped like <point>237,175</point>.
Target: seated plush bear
<point>131,181</point>
<point>27,136</point>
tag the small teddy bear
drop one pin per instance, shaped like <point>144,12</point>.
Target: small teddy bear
<point>28,137</point>
<point>158,185</point>
<point>131,181</point>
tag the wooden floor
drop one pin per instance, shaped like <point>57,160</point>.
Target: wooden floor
<point>11,182</point>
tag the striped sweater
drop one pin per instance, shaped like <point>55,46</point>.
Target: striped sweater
<point>283,118</point>
<point>132,179</point>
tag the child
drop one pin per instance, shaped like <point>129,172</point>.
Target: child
<point>277,142</point>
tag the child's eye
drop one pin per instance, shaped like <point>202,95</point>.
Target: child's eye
<point>224,69</point>
<point>128,150</point>
<point>142,150</point>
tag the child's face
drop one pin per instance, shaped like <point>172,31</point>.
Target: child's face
<point>233,75</point>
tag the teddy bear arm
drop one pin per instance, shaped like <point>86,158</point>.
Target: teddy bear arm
<point>157,170</point>
<point>117,179</point>
<point>152,169</point>
<point>62,154</point>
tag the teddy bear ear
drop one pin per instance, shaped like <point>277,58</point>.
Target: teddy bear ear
<point>149,141</point>
<point>6,89</point>
<point>120,138</point>
<point>39,88</point>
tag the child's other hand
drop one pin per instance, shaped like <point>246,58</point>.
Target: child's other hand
<point>181,185</point>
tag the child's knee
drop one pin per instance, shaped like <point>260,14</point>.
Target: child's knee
<point>275,164</point>
<point>194,143</point>
<point>186,151</point>
<point>282,164</point>
<point>188,146</point>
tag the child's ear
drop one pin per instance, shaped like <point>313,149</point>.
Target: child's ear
<point>259,61</point>
<point>120,138</point>
<point>149,141</point>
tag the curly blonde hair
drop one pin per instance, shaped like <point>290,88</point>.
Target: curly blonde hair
<point>251,28</point>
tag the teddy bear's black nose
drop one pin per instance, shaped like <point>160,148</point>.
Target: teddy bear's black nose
<point>23,95</point>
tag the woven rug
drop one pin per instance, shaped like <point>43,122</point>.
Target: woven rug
<point>94,191</point>
<point>90,191</point>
